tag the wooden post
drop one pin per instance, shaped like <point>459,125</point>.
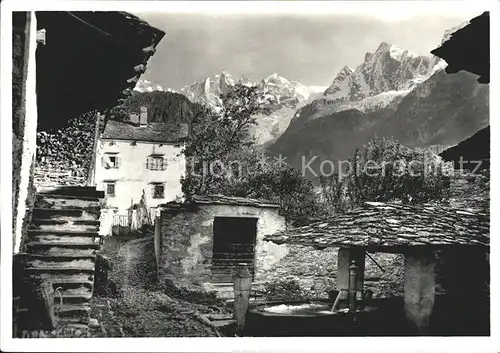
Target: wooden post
<point>95,146</point>
<point>419,287</point>
<point>242,284</point>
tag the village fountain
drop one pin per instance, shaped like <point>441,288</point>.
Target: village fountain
<point>316,317</point>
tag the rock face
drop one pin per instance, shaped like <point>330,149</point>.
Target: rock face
<point>380,81</point>
<point>444,110</point>
<point>340,83</point>
<point>393,93</point>
<point>388,69</point>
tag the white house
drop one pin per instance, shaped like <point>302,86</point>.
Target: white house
<point>137,158</point>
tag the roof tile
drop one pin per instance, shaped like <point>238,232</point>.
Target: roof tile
<point>153,132</point>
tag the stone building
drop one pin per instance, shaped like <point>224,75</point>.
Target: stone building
<point>440,245</point>
<point>137,158</point>
<point>58,58</point>
<point>202,241</point>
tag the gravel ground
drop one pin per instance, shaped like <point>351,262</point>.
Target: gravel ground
<point>144,308</point>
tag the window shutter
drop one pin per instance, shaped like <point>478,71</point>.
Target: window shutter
<point>102,161</point>
<point>118,160</point>
<point>165,163</point>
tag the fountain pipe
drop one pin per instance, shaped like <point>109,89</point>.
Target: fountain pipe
<point>337,300</point>
<point>353,269</point>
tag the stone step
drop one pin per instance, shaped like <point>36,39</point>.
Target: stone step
<point>63,236</point>
<point>66,220</point>
<point>75,245</point>
<point>60,266</point>
<point>62,201</point>
<point>70,280</point>
<point>63,232</point>
<point>65,224</point>
<point>72,321</point>
<point>74,295</point>
<point>63,252</point>
<point>74,311</point>
<point>45,213</point>
<point>61,239</point>
<point>57,213</point>
<point>75,191</point>
<point>62,257</point>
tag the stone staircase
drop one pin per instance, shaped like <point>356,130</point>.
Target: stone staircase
<point>62,242</point>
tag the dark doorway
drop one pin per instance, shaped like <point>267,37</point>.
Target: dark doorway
<point>234,243</point>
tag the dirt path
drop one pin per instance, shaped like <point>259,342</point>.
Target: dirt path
<point>141,308</point>
<point>131,253</point>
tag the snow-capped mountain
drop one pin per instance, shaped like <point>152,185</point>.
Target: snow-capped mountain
<point>389,68</point>
<point>392,93</point>
<point>341,83</point>
<point>211,88</point>
<point>208,91</point>
<point>288,96</point>
<point>381,80</point>
<point>149,86</point>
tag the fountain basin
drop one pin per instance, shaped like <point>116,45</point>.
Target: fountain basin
<point>307,318</point>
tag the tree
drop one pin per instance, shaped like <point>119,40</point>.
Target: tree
<point>385,170</point>
<point>217,135</point>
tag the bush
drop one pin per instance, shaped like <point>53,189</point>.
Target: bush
<point>385,170</point>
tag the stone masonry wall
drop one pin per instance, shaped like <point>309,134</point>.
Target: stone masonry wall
<point>186,243</point>
<point>316,271</point>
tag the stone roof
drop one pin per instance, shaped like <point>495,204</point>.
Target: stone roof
<point>197,200</point>
<point>382,226</point>
<point>92,61</point>
<point>472,150</point>
<point>473,38</point>
<point>153,132</point>
<point>232,200</point>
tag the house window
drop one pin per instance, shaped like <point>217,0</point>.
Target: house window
<point>110,189</point>
<point>158,191</point>
<point>156,163</point>
<point>110,161</point>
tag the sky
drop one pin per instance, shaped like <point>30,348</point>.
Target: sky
<point>308,48</point>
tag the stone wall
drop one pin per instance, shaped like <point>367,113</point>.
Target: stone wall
<point>184,245</point>
<point>187,241</point>
<point>24,122</point>
<point>316,271</point>
<point>19,71</point>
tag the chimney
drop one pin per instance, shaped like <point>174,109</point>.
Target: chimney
<point>144,116</point>
<point>134,118</point>
<point>184,132</point>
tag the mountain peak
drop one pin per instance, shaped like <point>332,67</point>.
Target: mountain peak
<point>390,68</point>
<point>346,69</point>
<point>273,76</point>
<point>384,46</point>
